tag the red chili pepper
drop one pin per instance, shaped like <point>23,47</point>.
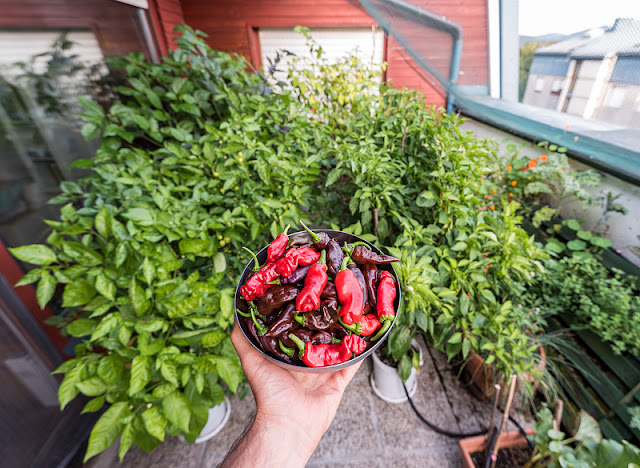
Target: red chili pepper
<point>294,258</point>
<point>257,285</point>
<point>367,325</point>
<point>349,294</point>
<point>385,297</point>
<point>329,354</point>
<point>309,298</point>
<point>277,247</point>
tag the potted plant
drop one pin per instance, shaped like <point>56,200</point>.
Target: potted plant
<point>144,257</point>
<point>385,378</point>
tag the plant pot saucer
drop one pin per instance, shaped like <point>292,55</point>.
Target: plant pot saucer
<point>412,391</point>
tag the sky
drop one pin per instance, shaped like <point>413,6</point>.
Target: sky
<point>568,16</point>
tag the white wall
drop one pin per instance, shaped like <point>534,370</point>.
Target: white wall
<point>623,229</point>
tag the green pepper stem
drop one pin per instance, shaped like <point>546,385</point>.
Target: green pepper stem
<point>315,237</point>
<point>345,261</point>
<point>256,263</point>
<point>260,327</point>
<point>299,343</point>
<point>335,340</point>
<point>299,319</point>
<point>383,330</point>
<point>286,229</point>
<point>323,257</point>
<point>244,314</point>
<point>354,328</point>
<point>275,281</point>
<point>364,244</point>
<point>285,349</point>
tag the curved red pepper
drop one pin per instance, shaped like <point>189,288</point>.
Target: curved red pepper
<point>277,247</point>
<point>385,297</point>
<point>309,298</point>
<point>294,258</point>
<point>329,354</point>
<point>349,294</point>
<point>370,324</point>
<point>256,286</point>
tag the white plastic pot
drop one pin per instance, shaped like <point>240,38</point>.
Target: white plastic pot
<point>386,382</point>
<point>218,417</point>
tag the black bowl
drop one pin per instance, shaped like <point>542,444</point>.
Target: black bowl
<point>341,237</point>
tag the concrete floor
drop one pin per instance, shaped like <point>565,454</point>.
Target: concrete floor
<point>366,431</point>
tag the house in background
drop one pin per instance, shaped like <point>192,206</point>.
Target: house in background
<point>594,75</point>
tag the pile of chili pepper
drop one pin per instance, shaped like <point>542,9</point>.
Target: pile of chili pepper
<point>316,302</point>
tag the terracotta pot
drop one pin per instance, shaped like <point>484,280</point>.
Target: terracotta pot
<point>478,444</point>
<point>481,378</point>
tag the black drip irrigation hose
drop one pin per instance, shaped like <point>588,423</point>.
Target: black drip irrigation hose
<point>459,435</point>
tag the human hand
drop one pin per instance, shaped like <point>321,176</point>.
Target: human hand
<point>298,406</point>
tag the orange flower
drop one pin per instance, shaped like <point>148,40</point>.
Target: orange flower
<point>567,127</point>
<point>534,160</point>
<point>523,168</point>
<point>510,194</point>
<point>514,183</point>
<point>544,158</point>
<point>562,169</point>
<point>495,191</point>
<point>482,214</point>
<point>491,207</point>
<point>481,180</point>
<point>532,164</point>
<point>509,168</point>
<point>480,208</point>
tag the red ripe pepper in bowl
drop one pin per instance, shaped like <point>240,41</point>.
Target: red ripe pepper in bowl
<point>309,298</point>
<point>277,247</point>
<point>329,354</point>
<point>349,294</point>
<point>365,327</point>
<point>385,297</point>
<point>294,258</point>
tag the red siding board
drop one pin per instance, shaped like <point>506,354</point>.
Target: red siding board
<point>230,26</point>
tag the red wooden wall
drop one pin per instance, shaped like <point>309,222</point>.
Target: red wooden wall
<point>231,27</point>
<point>166,15</point>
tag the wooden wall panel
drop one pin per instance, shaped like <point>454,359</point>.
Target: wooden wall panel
<point>230,26</point>
<point>115,24</point>
<point>166,15</point>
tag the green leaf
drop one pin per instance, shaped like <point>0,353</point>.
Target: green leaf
<point>106,326</point>
<point>577,244</point>
<point>90,131</point>
<point>399,342</point>
<point>121,254</point>
<point>94,405</point>
<point>148,270</point>
<point>177,410</point>
<point>588,428</point>
<point>92,107</point>
<point>219,262</point>
<point>107,429</point>
<point>82,254</point>
<point>230,371</point>
<point>111,368</point>
<point>126,440</point>
<point>193,246</point>
<point>77,293</point>
<point>455,338</point>
<point>459,246</point>
<point>488,295</point>
<point>35,253</point>
<point>103,222</point>
<point>573,224</point>
<point>404,368</point>
<point>154,422</point>
<point>30,277</point>
<point>138,297</point>
<point>333,177</point>
<point>67,390</point>
<point>226,305</point>
<point>81,327</point>
<point>466,347</point>
<point>426,200</point>
<point>601,242</point>
<point>141,216</point>
<point>141,372</point>
<point>93,386</point>
<point>105,286</point>
<point>212,339</point>
<point>46,289</point>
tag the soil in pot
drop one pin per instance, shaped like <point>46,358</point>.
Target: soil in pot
<point>507,458</point>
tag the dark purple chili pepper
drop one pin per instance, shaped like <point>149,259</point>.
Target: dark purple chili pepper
<point>284,323</point>
<point>329,292</point>
<point>363,256</point>
<point>276,297</point>
<point>320,320</point>
<point>297,241</point>
<point>371,280</point>
<point>297,276</point>
<point>335,255</point>
<point>321,337</point>
<point>319,239</point>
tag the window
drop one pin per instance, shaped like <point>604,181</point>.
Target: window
<point>556,86</point>
<point>616,97</point>
<point>539,85</point>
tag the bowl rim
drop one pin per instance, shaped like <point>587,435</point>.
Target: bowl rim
<point>261,255</point>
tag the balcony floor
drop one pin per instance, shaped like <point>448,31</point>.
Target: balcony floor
<point>366,431</point>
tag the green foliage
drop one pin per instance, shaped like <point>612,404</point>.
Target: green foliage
<point>583,288</point>
<point>585,449</point>
<point>634,412</point>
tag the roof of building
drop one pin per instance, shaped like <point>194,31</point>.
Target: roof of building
<point>623,38</point>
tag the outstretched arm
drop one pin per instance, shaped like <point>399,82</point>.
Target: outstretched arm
<point>294,410</point>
